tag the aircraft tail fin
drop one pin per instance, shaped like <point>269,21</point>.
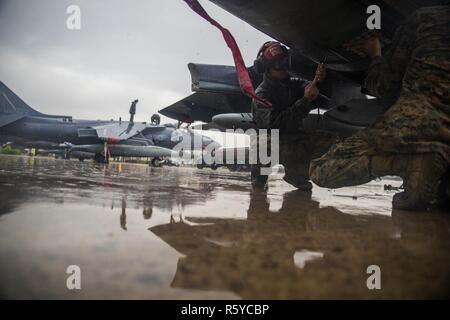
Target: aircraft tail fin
<point>11,104</point>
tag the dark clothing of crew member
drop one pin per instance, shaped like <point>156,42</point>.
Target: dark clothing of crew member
<point>289,106</point>
<point>133,109</point>
<point>296,147</point>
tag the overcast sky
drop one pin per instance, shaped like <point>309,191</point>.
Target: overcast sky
<point>124,50</point>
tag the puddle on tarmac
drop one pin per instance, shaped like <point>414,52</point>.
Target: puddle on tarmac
<point>141,233</point>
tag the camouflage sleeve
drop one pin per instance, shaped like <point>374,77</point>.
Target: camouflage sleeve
<point>274,117</point>
<point>385,74</point>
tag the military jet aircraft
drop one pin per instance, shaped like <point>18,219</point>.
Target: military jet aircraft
<point>315,31</point>
<point>22,125</point>
<point>219,102</point>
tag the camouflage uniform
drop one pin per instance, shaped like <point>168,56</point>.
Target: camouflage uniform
<point>416,73</point>
<point>289,108</point>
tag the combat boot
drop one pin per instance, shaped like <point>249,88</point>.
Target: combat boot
<point>422,176</point>
<point>301,183</point>
<point>303,186</point>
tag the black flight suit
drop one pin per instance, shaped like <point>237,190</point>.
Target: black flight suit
<point>296,147</point>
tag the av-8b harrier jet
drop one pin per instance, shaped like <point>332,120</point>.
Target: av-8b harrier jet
<point>21,125</point>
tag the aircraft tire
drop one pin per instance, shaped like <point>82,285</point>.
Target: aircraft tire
<point>99,158</point>
<point>156,162</point>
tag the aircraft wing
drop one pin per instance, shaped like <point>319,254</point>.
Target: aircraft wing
<point>320,28</point>
<point>202,106</point>
<point>123,131</point>
<point>216,90</point>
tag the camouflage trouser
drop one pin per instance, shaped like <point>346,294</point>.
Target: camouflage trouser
<point>345,164</point>
<point>411,126</point>
<point>297,151</point>
<point>329,172</point>
<point>418,123</point>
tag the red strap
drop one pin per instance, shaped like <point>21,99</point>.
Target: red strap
<point>243,77</point>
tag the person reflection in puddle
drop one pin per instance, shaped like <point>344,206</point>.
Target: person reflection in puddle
<point>123,216</point>
<point>147,213</point>
<point>255,257</point>
<point>303,251</point>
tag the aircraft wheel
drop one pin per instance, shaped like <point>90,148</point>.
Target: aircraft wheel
<point>214,166</point>
<point>81,159</point>
<point>99,158</point>
<point>156,162</point>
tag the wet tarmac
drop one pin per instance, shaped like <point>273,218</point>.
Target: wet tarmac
<point>168,233</point>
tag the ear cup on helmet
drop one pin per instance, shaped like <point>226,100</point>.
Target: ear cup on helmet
<point>259,65</point>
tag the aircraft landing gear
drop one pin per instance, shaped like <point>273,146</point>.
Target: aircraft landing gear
<point>103,157</point>
<point>156,162</point>
<point>214,166</point>
<point>100,158</point>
